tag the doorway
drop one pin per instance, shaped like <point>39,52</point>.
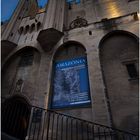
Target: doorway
<point>15,117</point>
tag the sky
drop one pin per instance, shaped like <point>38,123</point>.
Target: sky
<point>8,6</point>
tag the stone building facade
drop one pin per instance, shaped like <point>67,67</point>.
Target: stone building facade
<point>105,32</point>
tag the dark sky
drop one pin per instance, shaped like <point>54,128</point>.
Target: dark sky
<point>8,7</point>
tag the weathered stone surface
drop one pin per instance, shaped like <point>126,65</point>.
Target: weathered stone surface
<point>123,94</point>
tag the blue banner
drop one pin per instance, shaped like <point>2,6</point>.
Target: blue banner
<point>71,83</point>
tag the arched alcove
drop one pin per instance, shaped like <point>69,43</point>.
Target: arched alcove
<point>21,30</point>
<point>119,55</point>
<point>32,27</point>
<point>15,117</point>
<point>27,29</point>
<point>20,71</point>
<point>70,83</point>
<point>38,25</point>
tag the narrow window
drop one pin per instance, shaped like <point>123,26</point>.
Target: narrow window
<point>38,25</point>
<point>11,34</point>
<point>132,71</point>
<point>21,30</point>
<point>90,32</point>
<point>27,29</point>
<point>32,27</point>
<point>70,6</point>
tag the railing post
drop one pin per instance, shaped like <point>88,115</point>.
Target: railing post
<point>29,125</point>
<point>57,126</point>
<point>62,127</point>
<point>52,126</point>
<point>67,128</point>
<point>93,132</point>
<point>48,123</point>
<point>43,124</point>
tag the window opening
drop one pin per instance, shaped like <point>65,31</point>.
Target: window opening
<point>32,27</point>
<point>26,29</point>
<point>70,6</point>
<point>38,25</point>
<point>90,32</point>
<point>19,85</point>
<point>11,34</point>
<point>21,30</point>
<point>132,71</point>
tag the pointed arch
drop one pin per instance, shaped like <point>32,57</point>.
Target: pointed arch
<point>32,27</point>
<point>119,53</point>
<point>70,77</point>
<point>118,32</point>
<point>38,25</point>
<point>27,29</point>
<point>21,30</point>
<point>19,97</point>
<point>16,53</point>
<point>69,44</point>
<point>15,117</point>
<point>17,70</point>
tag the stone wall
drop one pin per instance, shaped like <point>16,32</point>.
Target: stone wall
<point>89,36</point>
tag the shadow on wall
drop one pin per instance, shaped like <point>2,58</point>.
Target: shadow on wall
<point>133,126</point>
<point>119,61</point>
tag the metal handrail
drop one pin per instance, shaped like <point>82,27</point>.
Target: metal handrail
<point>85,120</point>
<point>100,131</point>
<point>43,124</point>
<point>92,122</point>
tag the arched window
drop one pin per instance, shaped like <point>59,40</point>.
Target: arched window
<point>38,25</point>
<point>27,29</point>
<point>70,80</point>
<point>32,27</point>
<point>21,30</point>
